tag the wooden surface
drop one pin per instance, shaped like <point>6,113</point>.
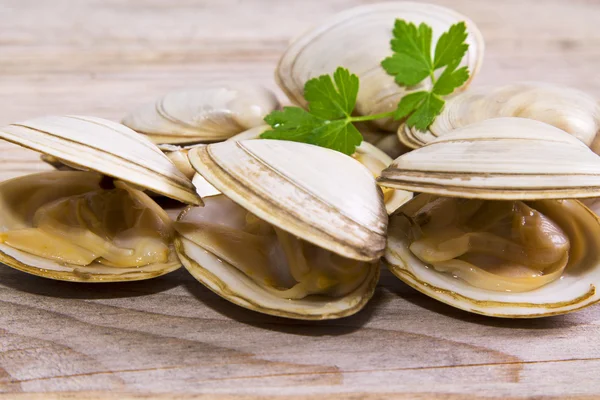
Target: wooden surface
<point>170,335</point>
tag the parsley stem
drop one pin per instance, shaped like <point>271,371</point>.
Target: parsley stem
<point>432,75</point>
<point>371,117</point>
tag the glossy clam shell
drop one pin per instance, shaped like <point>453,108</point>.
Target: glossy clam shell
<point>72,183</point>
<point>577,288</point>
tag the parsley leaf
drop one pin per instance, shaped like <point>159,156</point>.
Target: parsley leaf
<point>411,63</point>
<point>328,121</point>
<point>450,79</point>
<point>340,135</point>
<point>293,123</point>
<point>451,46</point>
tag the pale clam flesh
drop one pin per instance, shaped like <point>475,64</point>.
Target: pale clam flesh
<point>65,225</point>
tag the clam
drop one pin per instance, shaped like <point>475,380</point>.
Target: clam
<point>496,229</point>
<point>202,115</point>
<point>297,231</point>
<point>568,109</point>
<point>358,39</point>
<point>92,224</point>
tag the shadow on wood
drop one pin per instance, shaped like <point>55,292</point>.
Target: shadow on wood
<point>24,282</point>
<point>284,325</point>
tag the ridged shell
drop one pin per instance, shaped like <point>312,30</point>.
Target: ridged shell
<point>64,183</point>
<point>568,109</point>
<point>359,39</point>
<point>398,198</point>
<point>500,159</point>
<point>103,146</point>
<point>577,288</point>
<point>317,194</point>
<point>195,115</point>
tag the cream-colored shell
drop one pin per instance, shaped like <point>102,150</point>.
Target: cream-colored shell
<point>398,198</point>
<point>568,109</point>
<point>103,146</point>
<point>577,288</point>
<point>195,115</point>
<point>72,183</point>
<point>317,194</point>
<point>359,39</point>
<point>500,159</point>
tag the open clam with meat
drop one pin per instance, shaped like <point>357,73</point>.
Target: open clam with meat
<point>95,221</point>
<point>496,228</point>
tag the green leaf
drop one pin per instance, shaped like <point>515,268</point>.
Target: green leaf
<point>327,122</point>
<point>409,103</point>
<point>293,123</point>
<point>329,101</point>
<point>425,114</point>
<point>451,79</point>
<point>451,46</point>
<point>411,61</point>
<point>407,71</point>
<point>413,42</point>
<point>337,135</point>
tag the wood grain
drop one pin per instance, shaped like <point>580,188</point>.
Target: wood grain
<point>170,337</point>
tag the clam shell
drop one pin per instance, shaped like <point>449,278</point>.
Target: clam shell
<point>96,144</point>
<point>331,201</point>
<point>365,149</point>
<point>576,289</point>
<point>64,183</point>
<point>195,115</point>
<point>358,39</point>
<point>568,109</point>
<point>500,159</point>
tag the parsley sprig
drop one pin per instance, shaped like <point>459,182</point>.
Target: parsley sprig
<point>328,122</point>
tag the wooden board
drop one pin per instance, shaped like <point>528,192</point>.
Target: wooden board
<point>171,336</point>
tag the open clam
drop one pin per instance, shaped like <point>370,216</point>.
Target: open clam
<point>202,115</point>
<point>496,230</point>
<point>83,225</point>
<point>358,39</point>
<point>569,109</point>
<point>288,237</point>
